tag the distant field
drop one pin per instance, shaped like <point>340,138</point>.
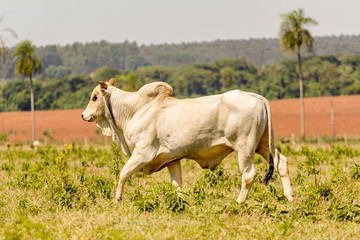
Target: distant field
<point>67,125</point>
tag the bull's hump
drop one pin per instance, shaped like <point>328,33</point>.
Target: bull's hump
<point>154,89</point>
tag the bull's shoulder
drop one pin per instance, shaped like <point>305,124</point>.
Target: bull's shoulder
<point>155,89</point>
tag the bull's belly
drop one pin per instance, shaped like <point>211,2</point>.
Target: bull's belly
<point>211,157</point>
<point>208,158</point>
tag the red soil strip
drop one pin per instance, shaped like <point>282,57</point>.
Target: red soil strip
<point>68,125</point>
<point>286,116</point>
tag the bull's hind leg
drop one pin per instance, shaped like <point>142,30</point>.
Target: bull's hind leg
<point>175,173</point>
<point>133,165</point>
<point>281,166</point>
<point>247,169</point>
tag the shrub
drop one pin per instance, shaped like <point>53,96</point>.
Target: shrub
<point>313,160</point>
<point>175,200</point>
<point>145,203</point>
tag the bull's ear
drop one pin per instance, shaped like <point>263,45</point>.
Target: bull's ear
<point>111,82</point>
<point>103,85</point>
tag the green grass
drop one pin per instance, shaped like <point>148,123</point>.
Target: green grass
<point>67,192</point>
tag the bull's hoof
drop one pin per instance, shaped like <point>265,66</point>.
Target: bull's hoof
<point>290,197</point>
<point>117,199</point>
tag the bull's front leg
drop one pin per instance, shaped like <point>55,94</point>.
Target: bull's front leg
<point>247,169</point>
<point>133,165</point>
<point>175,173</point>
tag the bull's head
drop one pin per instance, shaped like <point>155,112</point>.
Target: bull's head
<point>95,110</point>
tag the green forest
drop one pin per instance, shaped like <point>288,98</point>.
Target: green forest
<point>69,73</point>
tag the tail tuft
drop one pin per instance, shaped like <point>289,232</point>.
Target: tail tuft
<point>269,173</point>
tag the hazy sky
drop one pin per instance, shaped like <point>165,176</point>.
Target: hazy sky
<point>147,22</point>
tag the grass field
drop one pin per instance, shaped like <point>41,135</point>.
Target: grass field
<point>65,192</point>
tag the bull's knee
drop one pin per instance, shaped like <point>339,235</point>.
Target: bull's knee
<point>249,177</point>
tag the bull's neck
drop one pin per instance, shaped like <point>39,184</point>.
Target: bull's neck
<point>124,105</point>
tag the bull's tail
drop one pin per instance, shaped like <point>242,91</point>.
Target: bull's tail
<point>270,172</point>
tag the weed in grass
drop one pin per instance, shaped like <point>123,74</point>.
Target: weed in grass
<point>23,203</point>
<point>31,179</point>
<point>313,160</point>
<point>7,167</point>
<point>199,193</point>
<point>145,202</point>
<point>233,208</point>
<point>219,176</point>
<point>339,151</point>
<point>299,179</point>
<point>286,226</point>
<point>355,171</point>
<point>346,212</point>
<point>176,200</point>
<point>98,186</point>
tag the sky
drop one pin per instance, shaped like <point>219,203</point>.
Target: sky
<point>62,22</point>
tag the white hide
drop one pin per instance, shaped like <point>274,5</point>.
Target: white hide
<point>158,130</point>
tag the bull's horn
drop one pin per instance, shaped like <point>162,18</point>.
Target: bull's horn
<point>111,81</point>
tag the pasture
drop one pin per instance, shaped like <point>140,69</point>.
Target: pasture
<point>63,192</point>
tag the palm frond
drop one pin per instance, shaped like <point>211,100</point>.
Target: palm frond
<point>292,32</point>
<point>27,63</point>
<point>308,40</point>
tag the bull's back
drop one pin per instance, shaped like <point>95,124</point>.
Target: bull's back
<point>200,123</point>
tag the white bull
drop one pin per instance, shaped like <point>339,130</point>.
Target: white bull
<point>158,130</point>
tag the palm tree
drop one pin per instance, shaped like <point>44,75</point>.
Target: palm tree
<point>292,36</point>
<point>27,65</point>
<point>4,55</point>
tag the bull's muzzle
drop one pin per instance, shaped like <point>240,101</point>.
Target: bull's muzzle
<point>87,117</point>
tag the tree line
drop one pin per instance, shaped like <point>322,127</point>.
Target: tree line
<point>85,58</point>
<point>323,75</point>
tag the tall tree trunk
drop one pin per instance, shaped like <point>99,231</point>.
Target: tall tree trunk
<point>301,96</point>
<point>32,109</point>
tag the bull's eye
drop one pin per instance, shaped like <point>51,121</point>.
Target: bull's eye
<point>94,98</point>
